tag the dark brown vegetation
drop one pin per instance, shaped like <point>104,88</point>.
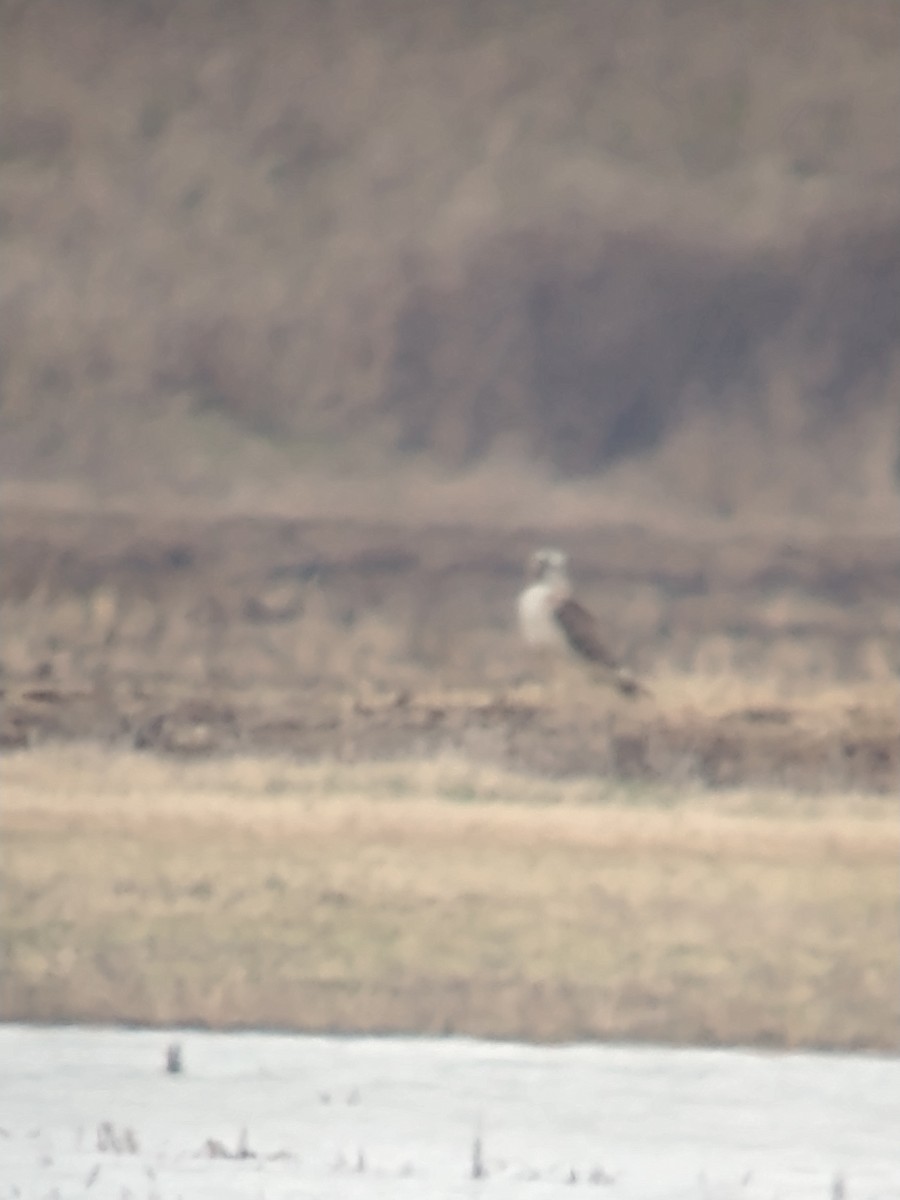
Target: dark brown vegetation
<point>246,241</point>
<point>769,662</point>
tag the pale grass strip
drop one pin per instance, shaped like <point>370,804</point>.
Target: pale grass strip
<point>126,791</point>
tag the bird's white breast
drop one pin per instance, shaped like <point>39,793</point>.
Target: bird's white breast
<point>537,622</point>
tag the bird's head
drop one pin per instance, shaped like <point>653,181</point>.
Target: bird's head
<point>547,564</point>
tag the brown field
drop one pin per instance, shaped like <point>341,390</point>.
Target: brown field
<point>354,808</point>
<point>770,663</point>
<point>314,320</point>
<point>444,898</point>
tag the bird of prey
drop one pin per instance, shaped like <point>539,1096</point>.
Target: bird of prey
<point>551,619</point>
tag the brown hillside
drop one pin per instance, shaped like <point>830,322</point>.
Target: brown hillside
<point>240,241</point>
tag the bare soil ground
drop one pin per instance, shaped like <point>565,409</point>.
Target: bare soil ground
<point>771,661</point>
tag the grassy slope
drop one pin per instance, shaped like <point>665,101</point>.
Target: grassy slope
<point>239,242</point>
<point>444,898</point>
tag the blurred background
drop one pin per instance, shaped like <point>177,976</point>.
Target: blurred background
<point>318,317</point>
<point>254,249</point>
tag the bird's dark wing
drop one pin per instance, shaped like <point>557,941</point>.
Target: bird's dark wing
<point>582,633</point>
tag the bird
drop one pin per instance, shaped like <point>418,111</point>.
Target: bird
<point>552,620</point>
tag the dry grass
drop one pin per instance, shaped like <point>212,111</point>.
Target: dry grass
<point>444,897</point>
<point>769,662</point>
<point>246,247</point>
